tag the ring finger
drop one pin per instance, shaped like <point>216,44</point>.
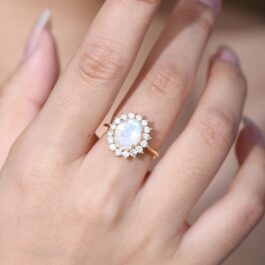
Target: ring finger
<point>83,95</point>
<point>162,86</point>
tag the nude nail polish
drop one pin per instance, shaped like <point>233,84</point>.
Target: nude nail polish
<point>42,23</point>
<point>215,4</point>
<point>225,54</point>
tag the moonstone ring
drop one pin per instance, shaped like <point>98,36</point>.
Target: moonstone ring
<point>129,135</point>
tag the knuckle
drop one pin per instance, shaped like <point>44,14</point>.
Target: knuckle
<point>217,127</point>
<point>103,61</point>
<point>110,214</point>
<point>199,15</point>
<point>97,210</point>
<point>166,81</point>
<point>251,210</point>
<point>33,178</point>
<point>34,170</point>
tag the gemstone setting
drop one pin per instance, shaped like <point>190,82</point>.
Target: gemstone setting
<point>128,135</point>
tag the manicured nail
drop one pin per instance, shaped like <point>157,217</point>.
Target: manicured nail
<point>215,4</point>
<point>253,132</point>
<point>225,54</point>
<point>42,23</point>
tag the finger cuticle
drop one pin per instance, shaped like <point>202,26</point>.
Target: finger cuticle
<point>227,55</point>
<point>216,5</point>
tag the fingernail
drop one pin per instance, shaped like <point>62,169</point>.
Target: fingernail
<point>42,23</point>
<point>225,54</point>
<point>253,132</point>
<point>215,4</point>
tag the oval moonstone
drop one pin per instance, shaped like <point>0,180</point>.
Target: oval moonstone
<point>128,134</point>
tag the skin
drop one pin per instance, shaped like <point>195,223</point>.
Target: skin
<point>66,199</point>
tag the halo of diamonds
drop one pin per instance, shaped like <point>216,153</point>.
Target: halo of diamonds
<point>135,149</point>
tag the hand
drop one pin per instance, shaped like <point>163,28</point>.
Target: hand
<point>66,199</point>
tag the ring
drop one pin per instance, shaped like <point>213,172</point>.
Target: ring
<point>129,135</point>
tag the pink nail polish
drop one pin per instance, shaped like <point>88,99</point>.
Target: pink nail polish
<point>215,4</point>
<point>227,55</point>
<point>42,23</point>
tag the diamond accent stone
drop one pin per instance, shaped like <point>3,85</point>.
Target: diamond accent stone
<point>110,140</point>
<point>118,152</point>
<point>110,133</point>
<point>144,143</point>
<point>125,154</point>
<point>124,117</point>
<point>139,117</point>
<point>131,115</point>
<point>117,121</point>
<point>139,149</point>
<point>144,122</point>
<point>147,129</point>
<point>146,136</point>
<point>112,147</point>
<point>133,153</point>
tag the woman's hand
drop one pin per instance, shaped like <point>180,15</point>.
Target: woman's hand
<point>66,199</point>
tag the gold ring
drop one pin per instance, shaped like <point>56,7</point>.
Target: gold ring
<point>129,135</point>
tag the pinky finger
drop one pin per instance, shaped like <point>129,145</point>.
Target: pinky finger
<point>225,225</point>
